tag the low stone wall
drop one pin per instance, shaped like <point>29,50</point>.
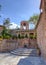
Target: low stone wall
<point>30,43</point>
<point>22,42</point>
<point>8,45</point>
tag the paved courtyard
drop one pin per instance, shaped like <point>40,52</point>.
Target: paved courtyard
<point>12,59</point>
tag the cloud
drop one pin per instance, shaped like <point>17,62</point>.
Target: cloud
<point>13,26</point>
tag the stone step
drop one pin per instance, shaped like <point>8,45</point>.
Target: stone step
<point>25,52</point>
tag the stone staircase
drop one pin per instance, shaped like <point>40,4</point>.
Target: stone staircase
<point>32,58</point>
<point>24,52</point>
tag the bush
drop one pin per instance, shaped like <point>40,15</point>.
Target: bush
<point>14,37</point>
<point>19,36</point>
<point>1,37</point>
<point>7,37</point>
<point>31,36</point>
<point>26,36</point>
<point>34,37</point>
<point>22,36</point>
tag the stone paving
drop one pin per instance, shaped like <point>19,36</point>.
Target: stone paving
<point>10,59</point>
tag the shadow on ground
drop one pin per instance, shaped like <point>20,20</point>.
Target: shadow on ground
<point>32,61</point>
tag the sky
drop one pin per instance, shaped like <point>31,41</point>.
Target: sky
<point>18,10</point>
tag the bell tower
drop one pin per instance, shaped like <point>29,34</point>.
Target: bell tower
<point>24,25</point>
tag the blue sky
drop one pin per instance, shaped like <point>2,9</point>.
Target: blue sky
<point>18,10</point>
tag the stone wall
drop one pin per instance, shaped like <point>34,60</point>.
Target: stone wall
<point>30,43</point>
<point>8,45</point>
<point>41,29</point>
<point>33,43</point>
<point>22,42</point>
<point>41,35</point>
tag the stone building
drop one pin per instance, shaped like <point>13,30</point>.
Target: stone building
<point>41,28</point>
<point>24,25</point>
<point>24,29</point>
<point>23,42</point>
<point>25,32</point>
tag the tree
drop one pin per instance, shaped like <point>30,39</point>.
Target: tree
<point>26,36</point>
<point>5,34</point>
<point>34,19</point>
<point>4,31</point>
<point>6,23</point>
<point>19,36</point>
<point>14,36</point>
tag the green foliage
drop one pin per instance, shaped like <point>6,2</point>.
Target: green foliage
<point>22,36</point>
<point>5,34</point>
<point>34,19</point>
<point>14,37</point>
<point>6,37</point>
<point>34,37</point>
<point>6,23</point>
<point>19,36</point>
<point>1,36</point>
<point>31,37</point>
<point>26,36</point>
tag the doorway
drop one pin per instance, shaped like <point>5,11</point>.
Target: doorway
<point>25,46</point>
